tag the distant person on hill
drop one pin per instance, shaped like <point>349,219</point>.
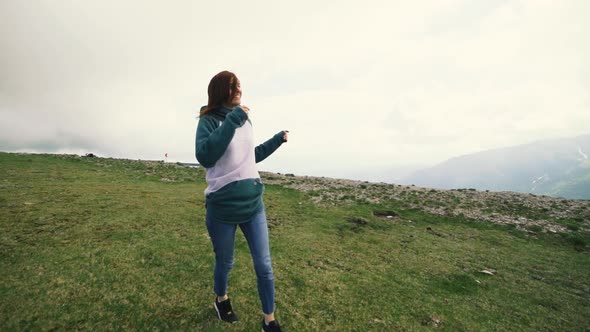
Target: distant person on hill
<point>225,147</point>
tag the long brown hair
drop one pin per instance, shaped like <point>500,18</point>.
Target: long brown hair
<point>219,90</point>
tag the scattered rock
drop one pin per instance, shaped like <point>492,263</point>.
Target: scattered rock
<point>386,214</point>
<point>502,208</point>
<point>433,320</point>
<point>489,271</point>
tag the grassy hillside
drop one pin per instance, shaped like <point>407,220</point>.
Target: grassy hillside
<point>101,244</point>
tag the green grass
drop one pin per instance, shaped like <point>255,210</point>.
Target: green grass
<point>105,244</point>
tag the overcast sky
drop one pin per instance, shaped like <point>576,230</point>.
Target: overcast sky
<point>361,85</point>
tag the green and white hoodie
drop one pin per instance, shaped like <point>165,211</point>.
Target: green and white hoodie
<point>225,147</point>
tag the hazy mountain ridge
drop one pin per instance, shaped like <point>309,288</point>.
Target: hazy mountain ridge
<point>553,167</point>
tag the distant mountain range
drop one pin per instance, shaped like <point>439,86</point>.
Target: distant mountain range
<point>559,167</point>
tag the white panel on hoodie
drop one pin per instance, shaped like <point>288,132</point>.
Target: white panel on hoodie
<point>238,162</point>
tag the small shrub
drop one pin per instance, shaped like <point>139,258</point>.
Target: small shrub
<point>535,228</point>
<point>577,240</point>
<point>574,228</point>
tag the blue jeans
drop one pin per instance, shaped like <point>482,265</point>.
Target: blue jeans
<point>256,233</point>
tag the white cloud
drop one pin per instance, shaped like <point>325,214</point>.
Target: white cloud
<point>382,83</point>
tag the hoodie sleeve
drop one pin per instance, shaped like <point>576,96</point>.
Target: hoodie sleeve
<point>213,139</point>
<point>267,148</point>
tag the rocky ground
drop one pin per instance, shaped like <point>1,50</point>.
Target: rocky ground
<point>528,212</point>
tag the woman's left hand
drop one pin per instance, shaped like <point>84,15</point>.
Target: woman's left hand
<point>286,136</point>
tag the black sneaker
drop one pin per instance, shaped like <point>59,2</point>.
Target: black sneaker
<point>273,326</point>
<point>225,311</point>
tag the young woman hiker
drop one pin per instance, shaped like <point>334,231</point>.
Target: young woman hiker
<point>225,147</point>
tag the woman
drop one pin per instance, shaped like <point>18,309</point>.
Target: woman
<point>225,147</point>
